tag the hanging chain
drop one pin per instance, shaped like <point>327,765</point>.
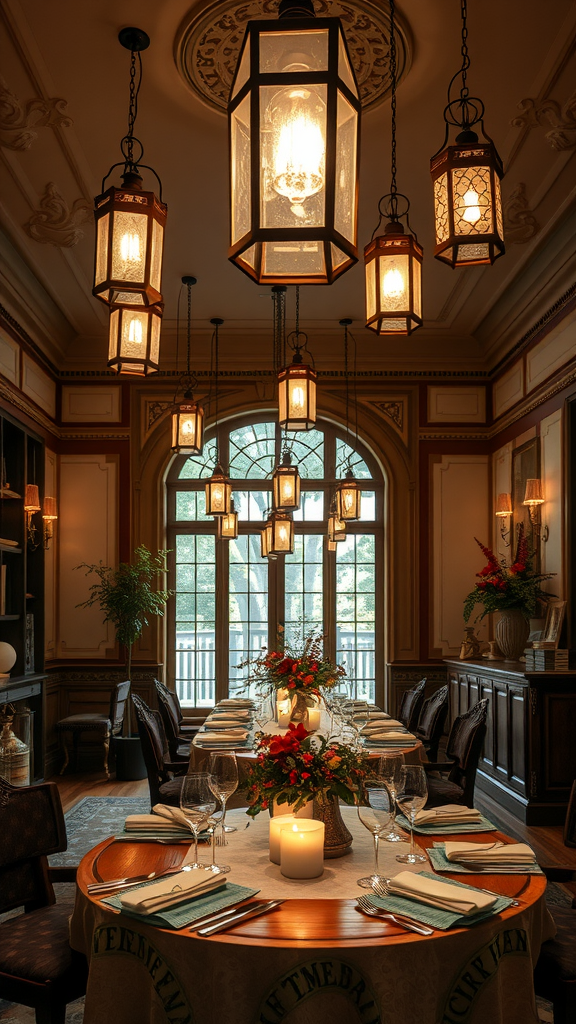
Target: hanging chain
<point>347,383</point>
<point>297,313</point>
<point>188,331</point>
<point>132,107</point>
<point>464,51</point>
<point>216,367</point>
<point>393,186</point>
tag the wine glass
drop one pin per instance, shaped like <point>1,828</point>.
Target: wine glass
<point>197,804</point>
<point>389,769</point>
<point>214,822</point>
<point>262,713</point>
<point>223,772</point>
<point>412,795</point>
<point>360,718</point>
<point>374,810</point>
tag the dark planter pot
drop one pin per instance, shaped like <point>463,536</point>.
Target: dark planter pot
<point>129,759</point>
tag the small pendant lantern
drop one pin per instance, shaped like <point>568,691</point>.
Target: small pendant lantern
<point>134,339</point>
<point>228,524</point>
<point>129,221</point>
<point>188,415</point>
<point>286,486</point>
<point>297,384</point>
<point>282,540</point>
<point>266,539</point>
<point>466,178</point>
<point>348,498</point>
<point>336,528</point>
<point>218,487</point>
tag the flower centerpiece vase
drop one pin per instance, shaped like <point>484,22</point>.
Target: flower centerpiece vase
<point>512,631</point>
<point>337,838</point>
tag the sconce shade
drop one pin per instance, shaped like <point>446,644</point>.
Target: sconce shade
<point>504,505</point>
<point>286,486</point>
<point>134,342</point>
<point>393,264</point>
<point>31,498</point>
<point>467,203</point>
<point>336,529</point>
<point>188,428</point>
<point>129,244</point>
<point>294,115</point>
<point>297,396</point>
<point>533,495</point>
<point>50,509</point>
<point>228,525</point>
<point>348,498</point>
<point>282,540</point>
<point>218,493</point>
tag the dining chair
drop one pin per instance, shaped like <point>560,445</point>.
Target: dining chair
<point>168,705</point>
<point>462,755</point>
<point>185,727</point>
<point>431,722</point>
<point>410,705</point>
<point>105,726</point>
<point>164,775</point>
<point>38,968</point>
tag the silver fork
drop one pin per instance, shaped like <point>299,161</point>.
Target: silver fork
<point>403,922</point>
<point>383,889</point>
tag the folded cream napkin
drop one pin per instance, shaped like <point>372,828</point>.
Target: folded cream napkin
<point>448,814</point>
<point>375,715</point>
<point>391,735</point>
<point>495,854</point>
<point>440,894</point>
<point>172,814</point>
<point>224,722</point>
<point>152,822</point>
<point>223,736</point>
<point>375,726</point>
<point>237,714</point>
<point>178,888</point>
<point>235,702</point>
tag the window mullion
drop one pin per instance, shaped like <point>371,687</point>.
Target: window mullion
<point>222,638</point>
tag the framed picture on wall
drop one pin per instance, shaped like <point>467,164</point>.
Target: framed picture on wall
<point>525,466</point>
<point>553,626</point>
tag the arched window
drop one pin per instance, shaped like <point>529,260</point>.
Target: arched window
<point>230,602</point>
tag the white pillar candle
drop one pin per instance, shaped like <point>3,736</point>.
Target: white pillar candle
<point>314,716</point>
<point>283,709</point>
<point>302,849</point>
<point>274,837</point>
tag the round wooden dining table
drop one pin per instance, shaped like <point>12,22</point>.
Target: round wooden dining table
<point>314,960</point>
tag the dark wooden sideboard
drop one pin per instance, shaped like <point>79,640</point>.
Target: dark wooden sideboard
<point>528,762</point>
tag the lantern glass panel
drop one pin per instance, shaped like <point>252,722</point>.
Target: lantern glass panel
<point>394,283</point>
<point>240,162</point>
<point>282,536</point>
<point>338,256</point>
<point>156,255</point>
<point>133,337</point>
<point>102,249</point>
<point>249,256</point>
<point>129,246</point>
<point>346,147</point>
<point>441,208</point>
<point>128,298</point>
<point>229,526</point>
<point>155,340</point>
<point>243,71</point>
<point>114,319</point>
<point>472,253</point>
<point>344,69</point>
<point>293,156</point>
<point>336,529</point>
<point>416,287</point>
<point>291,52</point>
<point>370,289</point>
<point>498,196</point>
<point>297,258</point>
<point>218,497</point>
<point>348,502</point>
<point>472,200</point>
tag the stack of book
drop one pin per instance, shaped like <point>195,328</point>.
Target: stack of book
<point>546,660</point>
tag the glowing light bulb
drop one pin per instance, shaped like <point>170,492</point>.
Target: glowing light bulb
<point>297,399</point>
<point>130,247</point>
<point>188,427</point>
<point>286,490</point>
<point>347,500</point>
<point>299,151</point>
<point>393,284</point>
<point>135,332</point>
<point>472,209</point>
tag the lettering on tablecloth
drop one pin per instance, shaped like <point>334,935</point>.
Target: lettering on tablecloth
<point>114,940</point>
<point>315,977</point>
<point>479,969</point>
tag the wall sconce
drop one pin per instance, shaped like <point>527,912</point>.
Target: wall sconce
<point>533,498</point>
<point>49,515</point>
<point>31,505</point>
<point>503,511</point>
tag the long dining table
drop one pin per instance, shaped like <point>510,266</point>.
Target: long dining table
<point>315,959</point>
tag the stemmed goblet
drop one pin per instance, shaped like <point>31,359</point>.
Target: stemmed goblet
<point>223,772</point>
<point>374,810</point>
<point>389,769</point>
<point>412,795</point>
<point>197,804</point>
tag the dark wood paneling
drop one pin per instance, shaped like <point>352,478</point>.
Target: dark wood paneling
<point>517,761</point>
<point>560,741</point>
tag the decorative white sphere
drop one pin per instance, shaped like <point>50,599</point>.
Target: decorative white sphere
<point>7,657</point>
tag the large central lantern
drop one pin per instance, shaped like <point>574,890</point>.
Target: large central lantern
<point>294,143</point>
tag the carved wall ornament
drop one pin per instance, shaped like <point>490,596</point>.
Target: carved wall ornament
<point>154,411</point>
<point>394,408</point>
<point>208,45</point>
<point>56,223</point>
<point>560,120</point>
<point>394,411</point>
<point>520,224</point>
<point>18,122</point>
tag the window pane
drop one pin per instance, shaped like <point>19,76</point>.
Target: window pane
<point>307,449</point>
<point>368,506</point>
<point>303,582</point>
<point>197,467</point>
<point>347,458</point>
<point>191,505</point>
<point>252,505</point>
<point>195,620</point>
<point>252,451</point>
<point>248,606</point>
<point>356,612</point>
<point>311,506</point>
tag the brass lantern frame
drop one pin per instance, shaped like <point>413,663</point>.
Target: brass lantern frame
<point>248,251</point>
<point>285,471</point>
<point>190,442</point>
<point>214,505</point>
<point>344,511</point>
<point>121,361</point>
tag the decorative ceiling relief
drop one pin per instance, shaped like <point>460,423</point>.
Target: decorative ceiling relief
<point>520,223</point>
<point>18,121</point>
<point>395,410</point>
<point>56,223</point>
<point>208,45</point>
<point>560,120</point>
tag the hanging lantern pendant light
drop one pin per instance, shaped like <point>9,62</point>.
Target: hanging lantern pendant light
<point>218,487</point>
<point>286,486</point>
<point>297,383</point>
<point>348,498</point>
<point>282,537</point>
<point>466,179</point>
<point>188,415</point>
<point>228,524</point>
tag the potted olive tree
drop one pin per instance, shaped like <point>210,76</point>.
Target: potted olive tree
<point>129,596</point>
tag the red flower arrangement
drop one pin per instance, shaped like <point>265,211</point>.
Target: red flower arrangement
<point>295,768</point>
<point>503,586</point>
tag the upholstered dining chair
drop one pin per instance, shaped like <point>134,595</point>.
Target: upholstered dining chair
<point>164,775</point>
<point>169,705</point>
<point>186,728</point>
<point>105,726</point>
<point>411,704</point>
<point>37,966</point>
<point>431,722</point>
<point>462,755</point>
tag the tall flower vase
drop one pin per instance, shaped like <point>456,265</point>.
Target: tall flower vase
<point>512,632</point>
<point>337,838</point>
<point>299,710</point>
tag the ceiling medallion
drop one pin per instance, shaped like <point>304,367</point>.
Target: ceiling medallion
<point>209,40</point>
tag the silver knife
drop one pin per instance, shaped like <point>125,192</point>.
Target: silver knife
<point>211,918</point>
<point>229,922</point>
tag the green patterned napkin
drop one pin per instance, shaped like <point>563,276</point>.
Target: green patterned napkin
<point>484,825</point>
<point>440,862</point>
<point>190,911</point>
<point>442,919</point>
